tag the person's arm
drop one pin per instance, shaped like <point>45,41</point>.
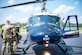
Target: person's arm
<point>13,30</point>
<point>26,26</point>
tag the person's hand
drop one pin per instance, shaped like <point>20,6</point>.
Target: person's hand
<point>24,27</point>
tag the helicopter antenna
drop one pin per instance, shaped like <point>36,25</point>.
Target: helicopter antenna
<point>43,7</point>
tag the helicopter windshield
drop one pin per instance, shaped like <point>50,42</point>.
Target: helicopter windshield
<point>36,20</point>
<point>44,19</point>
<point>54,20</point>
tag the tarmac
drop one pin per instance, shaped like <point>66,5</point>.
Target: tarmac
<point>74,47</point>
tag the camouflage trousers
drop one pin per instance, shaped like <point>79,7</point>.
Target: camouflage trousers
<point>7,45</point>
<point>15,45</point>
<point>16,41</point>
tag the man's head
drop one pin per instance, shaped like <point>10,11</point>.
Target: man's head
<point>7,22</point>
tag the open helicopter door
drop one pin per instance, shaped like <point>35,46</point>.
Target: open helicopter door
<point>71,27</point>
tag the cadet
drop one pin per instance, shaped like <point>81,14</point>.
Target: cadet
<point>17,36</point>
<point>7,38</point>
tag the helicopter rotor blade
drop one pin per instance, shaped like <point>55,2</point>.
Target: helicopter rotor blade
<point>31,2</point>
<point>20,4</point>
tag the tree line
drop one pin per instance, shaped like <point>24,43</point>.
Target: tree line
<point>71,24</point>
<point>22,24</point>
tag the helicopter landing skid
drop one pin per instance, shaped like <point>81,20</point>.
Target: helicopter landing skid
<point>25,49</point>
<point>62,45</point>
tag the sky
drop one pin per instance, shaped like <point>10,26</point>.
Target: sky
<point>63,8</point>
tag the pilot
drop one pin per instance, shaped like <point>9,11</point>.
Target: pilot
<point>7,37</point>
<point>17,36</point>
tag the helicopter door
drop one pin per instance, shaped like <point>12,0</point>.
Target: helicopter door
<point>71,28</point>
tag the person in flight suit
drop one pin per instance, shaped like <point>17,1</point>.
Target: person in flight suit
<point>7,37</point>
<point>17,36</point>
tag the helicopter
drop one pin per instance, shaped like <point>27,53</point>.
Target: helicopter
<point>45,28</point>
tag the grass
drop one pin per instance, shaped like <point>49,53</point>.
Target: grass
<point>73,28</point>
<point>80,29</point>
<point>22,30</point>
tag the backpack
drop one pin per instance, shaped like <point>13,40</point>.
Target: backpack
<point>8,33</point>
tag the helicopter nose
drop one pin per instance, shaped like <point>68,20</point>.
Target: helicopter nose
<point>38,33</point>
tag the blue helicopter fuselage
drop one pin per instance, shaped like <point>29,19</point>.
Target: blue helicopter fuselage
<point>44,25</point>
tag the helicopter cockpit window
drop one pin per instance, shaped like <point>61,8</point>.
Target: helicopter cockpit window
<point>36,20</point>
<point>53,20</point>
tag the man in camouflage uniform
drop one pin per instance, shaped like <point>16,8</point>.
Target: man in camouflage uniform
<point>7,37</point>
<point>17,36</point>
